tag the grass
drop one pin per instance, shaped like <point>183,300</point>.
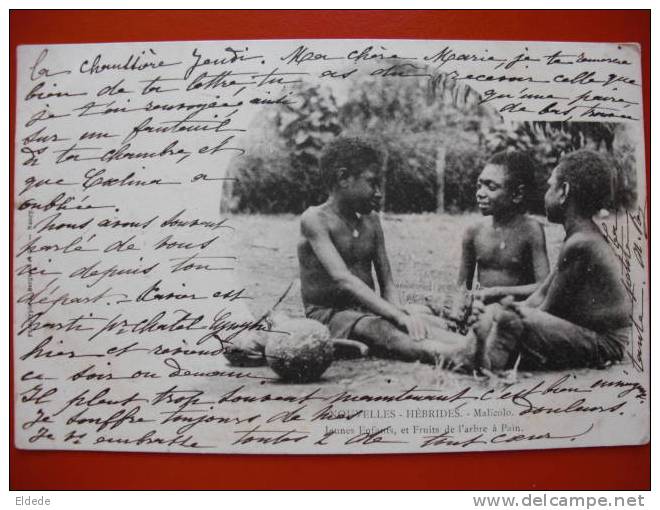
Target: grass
<point>424,252</point>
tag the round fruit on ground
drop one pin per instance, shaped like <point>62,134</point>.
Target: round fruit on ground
<point>302,352</point>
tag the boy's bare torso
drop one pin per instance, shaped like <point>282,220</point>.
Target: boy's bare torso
<point>504,255</point>
<point>585,286</point>
<point>358,253</point>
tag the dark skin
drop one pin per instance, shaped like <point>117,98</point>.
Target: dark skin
<point>336,271</point>
<point>336,266</point>
<point>585,287</point>
<point>507,249</point>
<point>325,287</point>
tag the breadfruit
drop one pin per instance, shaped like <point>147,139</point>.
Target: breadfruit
<point>301,351</point>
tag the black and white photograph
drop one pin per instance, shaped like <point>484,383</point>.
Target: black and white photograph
<point>324,246</point>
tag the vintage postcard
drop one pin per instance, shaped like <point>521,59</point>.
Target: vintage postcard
<point>330,246</point>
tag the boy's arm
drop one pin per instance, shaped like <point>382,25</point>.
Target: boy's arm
<point>538,296</point>
<point>468,259</point>
<point>564,275</point>
<point>540,265</point>
<point>383,269</point>
<point>539,254</point>
<point>316,232</point>
<point>577,260</point>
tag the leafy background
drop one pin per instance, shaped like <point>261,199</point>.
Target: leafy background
<point>421,125</point>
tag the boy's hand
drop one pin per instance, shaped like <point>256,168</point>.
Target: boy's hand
<point>519,308</point>
<point>508,302</point>
<point>490,294</point>
<point>412,325</point>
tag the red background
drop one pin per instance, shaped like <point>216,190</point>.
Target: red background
<point>589,468</point>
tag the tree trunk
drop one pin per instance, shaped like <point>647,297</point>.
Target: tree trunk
<point>440,179</point>
<point>383,181</point>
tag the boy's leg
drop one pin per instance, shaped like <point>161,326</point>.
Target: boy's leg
<point>498,332</point>
<point>442,346</point>
<point>544,342</point>
<point>419,309</point>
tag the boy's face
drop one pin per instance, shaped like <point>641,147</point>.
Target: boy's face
<point>555,197</point>
<point>363,190</point>
<point>493,193</point>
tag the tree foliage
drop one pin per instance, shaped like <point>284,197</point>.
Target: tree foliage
<point>547,142</point>
<point>414,120</point>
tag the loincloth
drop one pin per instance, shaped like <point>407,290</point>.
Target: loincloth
<point>341,323</point>
<point>546,342</point>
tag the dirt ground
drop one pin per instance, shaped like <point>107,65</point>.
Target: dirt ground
<point>424,252</point>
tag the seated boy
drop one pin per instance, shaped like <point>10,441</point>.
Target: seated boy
<point>580,315</point>
<point>507,249</point>
<point>341,242</point>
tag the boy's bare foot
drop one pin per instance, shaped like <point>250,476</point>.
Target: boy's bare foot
<point>495,349</point>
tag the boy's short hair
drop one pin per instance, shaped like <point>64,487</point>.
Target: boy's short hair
<point>352,153</point>
<point>589,175</point>
<point>519,167</point>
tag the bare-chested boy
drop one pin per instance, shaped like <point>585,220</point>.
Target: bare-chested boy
<point>507,248</point>
<point>341,244</point>
<point>580,315</point>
